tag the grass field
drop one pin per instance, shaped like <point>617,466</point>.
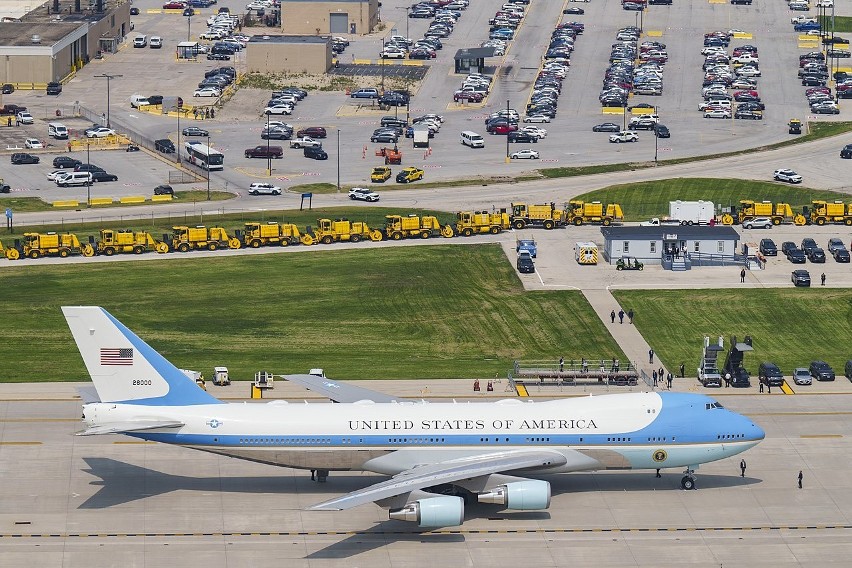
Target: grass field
<point>841,23</point>
<point>790,327</point>
<point>641,201</point>
<point>409,312</point>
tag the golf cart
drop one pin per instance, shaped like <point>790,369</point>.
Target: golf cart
<point>795,126</point>
<point>628,263</point>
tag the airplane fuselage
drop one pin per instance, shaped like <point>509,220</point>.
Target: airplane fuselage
<point>624,431</point>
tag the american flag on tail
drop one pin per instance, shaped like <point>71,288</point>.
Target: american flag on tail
<point>116,356</point>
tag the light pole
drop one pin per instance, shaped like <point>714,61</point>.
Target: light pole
<point>177,149</point>
<point>108,76</point>
<point>88,181</point>
<point>507,133</point>
<point>382,55</point>
<point>268,155</point>
<point>656,136</point>
<point>338,160</point>
<point>188,22</point>
<point>208,166</point>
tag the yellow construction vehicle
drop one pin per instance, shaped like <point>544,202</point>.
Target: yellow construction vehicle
<point>778,212</point>
<point>547,216</point>
<point>270,233</point>
<point>477,222</point>
<point>580,212</point>
<point>184,239</point>
<point>403,227</point>
<point>127,241</point>
<point>36,245</point>
<point>329,231</point>
<point>823,212</point>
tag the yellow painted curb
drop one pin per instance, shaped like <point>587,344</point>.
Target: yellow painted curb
<point>66,203</point>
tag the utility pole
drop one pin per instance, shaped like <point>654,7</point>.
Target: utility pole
<point>108,76</point>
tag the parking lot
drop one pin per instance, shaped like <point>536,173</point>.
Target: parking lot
<point>570,141</point>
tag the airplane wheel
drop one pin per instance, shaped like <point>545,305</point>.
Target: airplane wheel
<point>687,483</point>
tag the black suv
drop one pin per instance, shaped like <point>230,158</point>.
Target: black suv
<point>88,168</point>
<point>808,244</point>
<point>793,253</point>
<point>54,88</point>
<point>164,190</point>
<point>100,175</point>
<point>22,158</point>
<point>816,255</point>
<point>821,371</point>
<point>768,248</point>
<point>523,137</point>
<point>393,121</point>
<point>525,264</point>
<point>315,152</point>
<point>165,146</point>
<point>770,374</point>
<point>63,162</point>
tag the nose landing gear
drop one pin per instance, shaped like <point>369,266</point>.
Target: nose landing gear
<point>687,482</point>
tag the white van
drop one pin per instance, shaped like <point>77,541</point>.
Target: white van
<point>472,139</point>
<point>137,101</point>
<point>140,41</point>
<point>74,178</point>
<point>156,42</point>
<point>57,130</point>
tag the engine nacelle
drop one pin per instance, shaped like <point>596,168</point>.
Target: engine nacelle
<point>442,511</point>
<point>529,495</point>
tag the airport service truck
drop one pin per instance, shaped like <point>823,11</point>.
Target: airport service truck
<point>421,135</point>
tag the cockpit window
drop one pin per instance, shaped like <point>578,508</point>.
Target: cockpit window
<point>709,405</point>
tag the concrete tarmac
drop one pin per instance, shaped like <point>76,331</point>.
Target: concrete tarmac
<point>111,501</point>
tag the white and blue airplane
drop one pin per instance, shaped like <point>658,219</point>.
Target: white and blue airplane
<point>491,450</point>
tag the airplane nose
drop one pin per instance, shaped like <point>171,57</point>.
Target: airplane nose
<point>754,432</point>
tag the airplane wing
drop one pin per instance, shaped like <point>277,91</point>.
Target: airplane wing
<point>125,427</point>
<point>339,392</point>
<point>447,472</point>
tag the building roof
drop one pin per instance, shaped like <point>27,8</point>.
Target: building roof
<point>289,39</point>
<point>20,34</point>
<point>474,53</point>
<point>694,232</point>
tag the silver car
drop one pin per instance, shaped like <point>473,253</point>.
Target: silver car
<point>758,223</point>
<point>801,376</point>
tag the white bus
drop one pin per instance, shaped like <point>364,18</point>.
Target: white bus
<point>204,157</point>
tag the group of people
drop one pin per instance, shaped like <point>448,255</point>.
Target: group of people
<point>621,315</point>
<point>202,113</point>
<point>660,376</point>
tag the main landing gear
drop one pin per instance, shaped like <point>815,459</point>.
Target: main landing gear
<point>687,482</point>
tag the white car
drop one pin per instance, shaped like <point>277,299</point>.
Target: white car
<point>207,92</point>
<point>747,71</point>
<point>535,131</point>
<point>714,104</point>
<point>825,4</point>
<point>526,154</point>
<point>801,376</point>
<point>758,223</point>
<point>392,53</point>
<point>624,136</point>
<point>787,175</point>
<point>279,109</point>
<point>746,58</point>
<point>214,35</point>
<point>100,132</point>
<point>25,117</point>
<point>278,124</point>
<point>263,188</point>
<point>363,194</point>
<point>537,118</point>
<point>717,113</point>
<point>56,174</point>
<point>33,143</point>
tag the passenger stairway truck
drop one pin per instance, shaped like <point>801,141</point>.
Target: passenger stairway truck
<point>255,234</point>
<point>184,239</point>
<point>404,227</point>
<point>581,212</point>
<point>36,245</point>
<point>480,222</point>
<point>822,212</point>
<point>125,242</point>
<point>692,212</point>
<point>546,216</point>
<point>329,231</point>
<point>779,213</point>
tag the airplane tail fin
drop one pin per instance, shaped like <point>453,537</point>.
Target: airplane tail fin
<point>126,369</point>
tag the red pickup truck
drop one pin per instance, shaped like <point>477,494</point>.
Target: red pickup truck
<point>265,152</point>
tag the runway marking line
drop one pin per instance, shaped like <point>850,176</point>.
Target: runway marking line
<point>462,532</point>
<point>20,443</point>
<point>821,436</point>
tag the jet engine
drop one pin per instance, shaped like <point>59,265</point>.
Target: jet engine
<point>443,511</point>
<point>532,494</point>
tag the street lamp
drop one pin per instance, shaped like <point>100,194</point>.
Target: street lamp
<point>338,160</point>
<point>656,136</point>
<point>88,181</point>
<point>382,55</point>
<point>208,165</point>
<point>177,149</point>
<point>268,155</point>
<point>108,76</point>
<point>188,21</point>
<point>507,133</point>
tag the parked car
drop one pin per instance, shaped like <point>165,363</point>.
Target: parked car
<point>165,146</point>
<point>801,376</point>
<point>103,176</point>
<point>164,190</point>
<point>363,194</point>
<point>23,158</point>
<point>821,371</point>
<point>365,94</point>
<point>769,374</point>
<point>407,175</point>
<point>524,154</point>
<point>801,278</point>
<point>62,162</point>
<point>624,136</point>
<point>768,248</point>
<point>194,131</point>
<point>264,188</point>
<point>758,223</point>
<point>525,263</point>
<point>606,127</point>
<point>786,175</point>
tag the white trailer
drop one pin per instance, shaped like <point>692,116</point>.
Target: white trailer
<point>421,135</point>
<point>692,212</point>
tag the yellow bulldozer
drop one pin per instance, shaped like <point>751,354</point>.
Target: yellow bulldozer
<point>127,241</point>
<point>339,230</point>
<point>478,222</point>
<point>36,245</point>
<point>412,226</point>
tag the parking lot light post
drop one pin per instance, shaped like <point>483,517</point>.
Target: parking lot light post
<point>107,76</point>
<point>188,22</point>
<point>338,160</point>
<point>382,56</point>
<point>508,159</point>
<point>177,148</point>
<point>656,137</point>
<point>268,155</point>
<point>89,181</point>
<point>208,167</point>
